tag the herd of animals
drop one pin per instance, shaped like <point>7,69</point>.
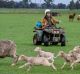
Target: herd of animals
<point>8,49</point>
<point>72,16</point>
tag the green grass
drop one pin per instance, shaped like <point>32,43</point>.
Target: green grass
<point>19,28</point>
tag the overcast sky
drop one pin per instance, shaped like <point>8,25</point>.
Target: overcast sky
<point>55,1</point>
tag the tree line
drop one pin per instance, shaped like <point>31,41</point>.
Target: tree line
<point>46,4</point>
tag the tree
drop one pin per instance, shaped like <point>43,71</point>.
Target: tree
<point>48,2</point>
<point>33,5</point>
<point>12,4</point>
<point>77,4</point>
<point>6,0</point>
<point>61,6</point>
<point>72,5</point>
<point>25,3</point>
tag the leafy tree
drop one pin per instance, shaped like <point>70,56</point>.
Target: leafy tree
<point>61,6</point>
<point>48,2</point>
<point>25,3</point>
<point>33,5</point>
<point>77,4</point>
<point>72,5</point>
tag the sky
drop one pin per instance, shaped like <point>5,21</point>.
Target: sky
<point>55,1</point>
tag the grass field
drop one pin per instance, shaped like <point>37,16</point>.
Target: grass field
<point>19,28</point>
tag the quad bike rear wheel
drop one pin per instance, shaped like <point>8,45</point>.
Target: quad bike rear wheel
<point>63,42</point>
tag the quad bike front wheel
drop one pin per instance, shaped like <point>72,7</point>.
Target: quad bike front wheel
<point>35,40</point>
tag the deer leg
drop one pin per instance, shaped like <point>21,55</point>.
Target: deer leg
<point>26,64</point>
<point>77,61</point>
<point>52,65</point>
<point>15,60</point>
<point>63,65</point>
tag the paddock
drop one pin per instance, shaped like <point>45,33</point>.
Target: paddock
<point>19,26</point>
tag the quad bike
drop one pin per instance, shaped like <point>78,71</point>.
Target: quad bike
<point>52,37</point>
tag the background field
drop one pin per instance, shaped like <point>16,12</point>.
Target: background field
<point>19,28</point>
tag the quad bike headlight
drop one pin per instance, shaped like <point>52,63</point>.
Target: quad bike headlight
<point>57,32</point>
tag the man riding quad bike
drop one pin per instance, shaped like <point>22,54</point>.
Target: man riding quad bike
<point>46,31</point>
